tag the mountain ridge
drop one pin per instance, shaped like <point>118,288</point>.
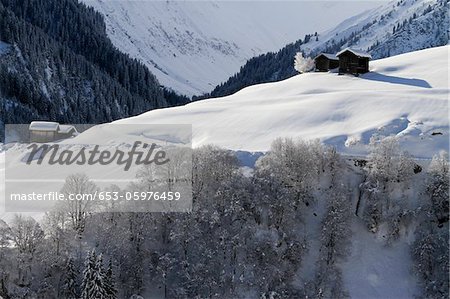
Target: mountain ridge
<point>191,46</point>
<point>394,28</point>
<point>58,64</point>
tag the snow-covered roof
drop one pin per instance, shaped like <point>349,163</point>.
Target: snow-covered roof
<point>44,126</point>
<point>66,129</point>
<point>358,53</point>
<point>328,55</point>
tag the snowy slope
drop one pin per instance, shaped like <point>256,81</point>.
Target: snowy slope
<point>192,46</point>
<point>405,95</point>
<point>396,27</point>
<point>374,270</point>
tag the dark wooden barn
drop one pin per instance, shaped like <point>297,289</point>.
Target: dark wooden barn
<point>325,62</point>
<point>353,62</point>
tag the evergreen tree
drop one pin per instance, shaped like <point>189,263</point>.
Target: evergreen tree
<point>111,290</point>
<point>66,69</point>
<point>70,285</point>
<point>99,285</point>
<point>88,276</point>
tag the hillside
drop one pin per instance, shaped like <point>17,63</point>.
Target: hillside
<point>343,231</point>
<point>397,27</point>
<point>192,46</point>
<point>57,63</point>
<point>404,95</point>
<point>393,28</point>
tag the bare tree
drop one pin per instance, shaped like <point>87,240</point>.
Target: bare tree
<point>78,209</point>
<point>26,234</point>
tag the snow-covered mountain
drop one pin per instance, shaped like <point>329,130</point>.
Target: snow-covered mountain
<point>404,95</point>
<point>192,46</point>
<point>396,27</point>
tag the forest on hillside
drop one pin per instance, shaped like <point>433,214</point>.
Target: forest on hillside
<point>57,63</point>
<point>431,22</point>
<point>247,236</point>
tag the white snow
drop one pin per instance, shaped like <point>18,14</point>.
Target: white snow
<point>192,46</point>
<point>66,129</point>
<point>374,270</point>
<point>405,95</point>
<point>44,126</point>
<point>358,53</point>
<point>376,26</point>
<point>4,215</point>
<point>328,55</point>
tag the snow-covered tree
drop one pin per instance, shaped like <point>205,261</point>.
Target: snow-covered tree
<point>100,279</point>
<point>439,164</point>
<point>334,241</point>
<point>5,234</point>
<point>431,259</point>
<point>302,64</point>
<point>94,278</point>
<point>387,163</point>
<point>211,166</point>
<point>388,169</point>
<point>438,186</point>
<point>5,261</point>
<point>294,164</point>
<point>70,288</point>
<point>381,158</point>
<point>88,275</point>
<point>110,283</point>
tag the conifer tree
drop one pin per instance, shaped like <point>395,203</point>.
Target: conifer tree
<point>70,285</point>
<point>99,285</point>
<point>110,283</point>
<point>88,276</point>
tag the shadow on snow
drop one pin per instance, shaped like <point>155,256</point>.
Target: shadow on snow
<point>374,76</point>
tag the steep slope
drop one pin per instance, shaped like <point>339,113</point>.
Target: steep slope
<point>404,95</point>
<point>191,46</point>
<point>57,63</point>
<point>394,28</point>
<point>397,27</point>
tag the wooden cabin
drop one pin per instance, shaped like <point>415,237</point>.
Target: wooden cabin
<point>353,62</point>
<point>325,62</point>
<point>46,131</point>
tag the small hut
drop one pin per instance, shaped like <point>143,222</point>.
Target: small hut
<point>353,62</point>
<point>325,62</point>
<point>46,131</point>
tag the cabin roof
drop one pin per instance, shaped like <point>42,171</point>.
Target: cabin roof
<point>44,126</point>
<point>50,126</point>
<point>66,129</point>
<point>358,53</point>
<point>327,55</point>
